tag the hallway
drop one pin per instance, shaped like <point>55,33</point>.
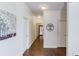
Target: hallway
<point>38,50</point>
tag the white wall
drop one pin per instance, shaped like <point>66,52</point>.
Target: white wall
<point>15,45</point>
<point>27,28</point>
<point>50,38</point>
<point>62,28</point>
<point>73,29</point>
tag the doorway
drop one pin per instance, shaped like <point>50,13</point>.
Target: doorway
<point>40,30</point>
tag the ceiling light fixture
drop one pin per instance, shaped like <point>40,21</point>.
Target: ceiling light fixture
<point>44,7</point>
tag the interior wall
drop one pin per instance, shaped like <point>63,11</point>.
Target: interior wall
<point>73,29</point>
<point>62,28</point>
<point>15,46</point>
<point>51,38</point>
<point>27,28</point>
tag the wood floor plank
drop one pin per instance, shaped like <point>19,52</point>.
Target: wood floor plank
<point>38,50</point>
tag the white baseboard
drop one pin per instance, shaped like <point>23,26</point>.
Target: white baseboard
<point>61,46</point>
<point>50,46</point>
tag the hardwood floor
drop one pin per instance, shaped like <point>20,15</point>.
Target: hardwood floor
<point>38,50</point>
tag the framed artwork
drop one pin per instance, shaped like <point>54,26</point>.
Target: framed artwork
<point>7,25</point>
<point>50,27</point>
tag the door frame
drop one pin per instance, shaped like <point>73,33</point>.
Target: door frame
<point>39,30</point>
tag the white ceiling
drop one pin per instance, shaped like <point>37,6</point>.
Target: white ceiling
<point>35,6</point>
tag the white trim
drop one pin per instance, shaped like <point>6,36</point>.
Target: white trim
<point>50,46</point>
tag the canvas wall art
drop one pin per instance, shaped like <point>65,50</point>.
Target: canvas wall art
<point>7,24</point>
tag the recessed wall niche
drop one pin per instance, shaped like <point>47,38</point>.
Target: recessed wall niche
<point>7,24</point>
